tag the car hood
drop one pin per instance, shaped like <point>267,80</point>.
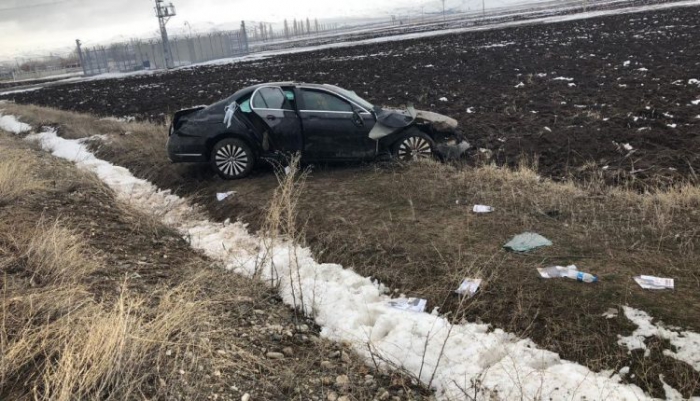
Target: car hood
<point>393,120</point>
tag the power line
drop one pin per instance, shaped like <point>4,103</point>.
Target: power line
<point>28,6</point>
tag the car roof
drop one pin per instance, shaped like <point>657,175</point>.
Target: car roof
<point>251,89</point>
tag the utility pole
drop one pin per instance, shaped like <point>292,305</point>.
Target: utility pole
<point>164,13</point>
<point>443,10</point>
<point>80,56</point>
<point>483,7</point>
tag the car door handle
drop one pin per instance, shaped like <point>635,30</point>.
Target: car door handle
<point>271,117</point>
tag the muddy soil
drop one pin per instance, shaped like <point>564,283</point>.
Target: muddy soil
<point>607,96</point>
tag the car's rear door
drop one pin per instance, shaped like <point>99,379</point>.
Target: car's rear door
<point>275,108</point>
<point>334,128</point>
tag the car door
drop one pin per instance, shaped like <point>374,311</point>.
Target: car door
<point>275,108</point>
<point>334,128</point>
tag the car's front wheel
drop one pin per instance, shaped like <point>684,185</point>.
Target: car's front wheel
<point>414,146</point>
<point>232,159</point>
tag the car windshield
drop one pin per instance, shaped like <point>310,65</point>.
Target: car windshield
<point>354,97</point>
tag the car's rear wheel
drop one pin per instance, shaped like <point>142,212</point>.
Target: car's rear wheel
<point>414,146</point>
<point>232,159</point>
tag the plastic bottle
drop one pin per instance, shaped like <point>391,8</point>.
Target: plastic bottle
<point>581,276</point>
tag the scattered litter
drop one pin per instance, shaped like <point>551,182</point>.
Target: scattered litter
<point>695,102</point>
<point>443,99</point>
<point>627,63</point>
<point>628,147</point>
<point>642,69</point>
<point>526,242</point>
<point>287,170</point>
<point>611,313</point>
<point>562,79</point>
<point>222,196</point>
<point>571,85</point>
<point>547,129</point>
<point>520,85</point>
<point>469,287</point>
<point>654,283</point>
<point>470,110</point>
<point>410,304</point>
<point>567,272</point>
<point>672,125</point>
<point>694,82</point>
<point>483,209</point>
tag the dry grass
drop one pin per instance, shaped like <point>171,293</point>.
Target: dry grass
<point>17,175</point>
<point>58,340</point>
<point>58,343</point>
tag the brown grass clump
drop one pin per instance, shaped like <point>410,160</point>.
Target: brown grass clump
<point>17,175</point>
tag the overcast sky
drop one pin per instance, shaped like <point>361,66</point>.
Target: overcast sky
<point>30,27</point>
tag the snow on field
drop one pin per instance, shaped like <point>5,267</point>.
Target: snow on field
<point>10,92</point>
<point>354,309</point>
<point>687,343</point>
<point>11,124</point>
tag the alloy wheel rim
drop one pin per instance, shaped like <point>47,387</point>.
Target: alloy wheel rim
<point>231,160</point>
<point>415,147</point>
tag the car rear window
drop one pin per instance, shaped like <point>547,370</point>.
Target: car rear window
<point>322,101</point>
<point>271,98</point>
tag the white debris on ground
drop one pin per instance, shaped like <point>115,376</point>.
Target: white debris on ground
<point>12,124</point>
<point>562,79</point>
<point>355,309</point>
<point>224,195</point>
<point>626,63</point>
<point>520,85</point>
<point>687,343</point>
<point>470,110</point>
<point>695,102</point>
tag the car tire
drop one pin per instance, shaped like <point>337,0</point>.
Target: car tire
<point>232,159</point>
<point>414,146</point>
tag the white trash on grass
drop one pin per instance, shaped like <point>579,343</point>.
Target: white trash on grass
<point>654,283</point>
<point>354,309</point>
<point>483,209</point>
<point>224,195</point>
<point>469,287</point>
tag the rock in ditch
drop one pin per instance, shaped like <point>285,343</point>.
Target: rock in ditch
<point>274,355</point>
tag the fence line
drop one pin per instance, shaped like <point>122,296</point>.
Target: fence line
<point>148,54</point>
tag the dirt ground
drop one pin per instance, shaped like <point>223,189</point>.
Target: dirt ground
<point>589,87</point>
<point>245,320</point>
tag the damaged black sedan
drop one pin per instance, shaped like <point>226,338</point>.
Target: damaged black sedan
<point>321,122</point>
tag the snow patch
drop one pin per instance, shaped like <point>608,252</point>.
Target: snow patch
<point>11,124</point>
<point>355,309</point>
<point>687,343</point>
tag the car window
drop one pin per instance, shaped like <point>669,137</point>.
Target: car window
<point>322,101</point>
<point>271,98</point>
<point>245,106</point>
